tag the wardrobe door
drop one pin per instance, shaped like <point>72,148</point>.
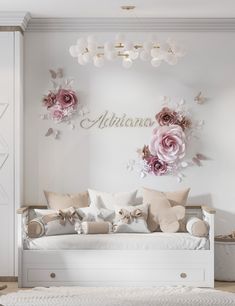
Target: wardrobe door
<point>7,155</point>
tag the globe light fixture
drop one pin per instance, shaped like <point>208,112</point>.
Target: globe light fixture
<point>88,50</point>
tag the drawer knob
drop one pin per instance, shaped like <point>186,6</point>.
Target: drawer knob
<point>183,275</point>
<point>52,275</point>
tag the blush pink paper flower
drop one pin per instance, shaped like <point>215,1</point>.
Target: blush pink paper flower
<point>67,98</point>
<point>166,116</point>
<point>157,166</point>
<point>49,100</point>
<point>57,114</point>
<point>168,143</point>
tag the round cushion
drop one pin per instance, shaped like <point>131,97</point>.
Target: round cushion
<point>197,227</point>
<point>35,228</point>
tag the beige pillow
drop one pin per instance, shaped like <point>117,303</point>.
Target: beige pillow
<point>158,200</point>
<point>198,227</point>
<point>61,201</point>
<point>170,217</point>
<point>93,228</point>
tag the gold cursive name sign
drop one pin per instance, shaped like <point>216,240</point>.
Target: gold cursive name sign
<point>110,119</point>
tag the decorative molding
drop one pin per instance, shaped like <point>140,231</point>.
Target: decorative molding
<point>3,108</point>
<point>4,200</point>
<point>3,158</point>
<point>14,21</point>
<point>131,25</point>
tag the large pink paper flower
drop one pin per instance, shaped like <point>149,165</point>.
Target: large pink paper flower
<point>49,100</point>
<point>157,166</point>
<point>168,143</point>
<point>67,98</point>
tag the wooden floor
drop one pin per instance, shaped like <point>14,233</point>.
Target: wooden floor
<point>225,286</point>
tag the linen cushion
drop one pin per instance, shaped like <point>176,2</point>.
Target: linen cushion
<point>58,222</point>
<point>131,219</point>
<point>61,201</point>
<point>93,228</point>
<point>111,200</point>
<point>197,227</point>
<point>169,218</point>
<point>92,213</point>
<point>158,200</point>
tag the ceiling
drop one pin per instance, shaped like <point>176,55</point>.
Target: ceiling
<point>111,8</point>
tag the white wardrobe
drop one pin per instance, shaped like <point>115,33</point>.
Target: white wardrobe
<point>11,110</point>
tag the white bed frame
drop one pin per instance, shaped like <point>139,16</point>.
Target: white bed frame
<point>116,267</point>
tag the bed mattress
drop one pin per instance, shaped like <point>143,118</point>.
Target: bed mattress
<point>124,241</point>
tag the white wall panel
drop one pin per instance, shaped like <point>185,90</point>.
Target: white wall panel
<point>7,206</point>
<point>97,158</point>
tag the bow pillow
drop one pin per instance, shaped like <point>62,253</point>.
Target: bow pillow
<point>53,222</point>
<point>169,218</point>
<point>131,219</point>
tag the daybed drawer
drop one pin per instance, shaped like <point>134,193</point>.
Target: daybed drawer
<point>128,275</point>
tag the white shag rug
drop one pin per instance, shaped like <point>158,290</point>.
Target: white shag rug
<point>84,296</point>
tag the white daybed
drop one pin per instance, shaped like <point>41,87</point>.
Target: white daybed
<point>154,259</point>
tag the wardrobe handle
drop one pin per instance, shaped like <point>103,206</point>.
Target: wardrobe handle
<point>183,275</point>
<point>52,275</point>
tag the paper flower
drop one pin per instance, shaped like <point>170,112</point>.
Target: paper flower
<point>66,98</point>
<point>168,143</point>
<point>49,100</point>
<point>157,166</point>
<point>166,116</point>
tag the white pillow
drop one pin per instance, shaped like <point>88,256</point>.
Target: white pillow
<point>131,219</point>
<point>92,213</point>
<point>111,200</point>
<point>55,224</point>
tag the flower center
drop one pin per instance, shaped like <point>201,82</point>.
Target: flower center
<point>67,98</point>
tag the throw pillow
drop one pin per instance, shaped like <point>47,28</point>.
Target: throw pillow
<point>93,228</point>
<point>169,218</point>
<point>61,201</point>
<point>111,200</point>
<point>197,227</point>
<point>131,219</point>
<point>158,200</point>
<point>51,222</point>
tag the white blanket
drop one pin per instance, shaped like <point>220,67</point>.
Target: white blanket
<point>83,296</point>
<point>122,241</point>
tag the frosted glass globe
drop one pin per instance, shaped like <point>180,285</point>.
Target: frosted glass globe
<point>92,46</point>
<point>171,59</point>
<point>144,56</point>
<point>86,58</point>
<point>147,45</point>
<point>155,62</point>
<point>128,45</point>
<point>108,46</point>
<point>111,55</point>
<point>133,54</point>
<point>81,60</point>
<point>98,61</point>
<point>127,63</point>
<point>73,51</point>
<point>157,53</point>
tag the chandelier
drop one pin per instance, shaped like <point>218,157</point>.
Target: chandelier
<point>88,50</point>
